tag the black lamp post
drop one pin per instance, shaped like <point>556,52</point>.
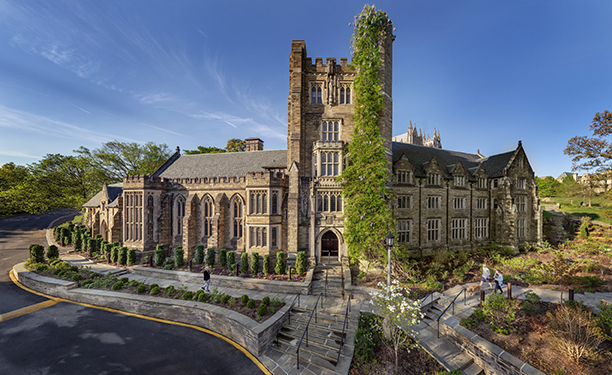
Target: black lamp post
<point>389,239</point>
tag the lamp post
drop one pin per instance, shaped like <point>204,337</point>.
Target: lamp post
<point>389,239</point>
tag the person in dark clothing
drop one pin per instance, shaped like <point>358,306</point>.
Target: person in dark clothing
<point>206,285</point>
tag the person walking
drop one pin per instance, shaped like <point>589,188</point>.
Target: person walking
<point>486,276</point>
<point>499,281</point>
<point>206,285</point>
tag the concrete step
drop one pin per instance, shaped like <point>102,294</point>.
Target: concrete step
<point>450,356</point>
<point>310,355</point>
<point>473,369</point>
<point>329,343</point>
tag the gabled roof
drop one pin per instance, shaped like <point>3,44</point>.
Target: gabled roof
<point>223,164</point>
<point>113,192</point>
<point>420,156</point>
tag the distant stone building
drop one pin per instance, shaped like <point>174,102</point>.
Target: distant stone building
<point>289,200</point>
<point>415,137</point>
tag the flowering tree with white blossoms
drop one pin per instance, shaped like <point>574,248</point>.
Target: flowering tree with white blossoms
<point>400,316</point>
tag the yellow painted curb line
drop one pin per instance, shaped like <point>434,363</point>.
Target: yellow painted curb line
<point>54,300</point>
<point>26,310</point>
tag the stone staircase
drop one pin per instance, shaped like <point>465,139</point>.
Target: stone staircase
<point>328,280</point>
<point>449,355</point>
<point>324,339</point>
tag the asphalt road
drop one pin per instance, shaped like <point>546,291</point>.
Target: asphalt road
<point>67,338</point>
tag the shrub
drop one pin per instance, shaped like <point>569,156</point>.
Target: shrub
<point>469,323</point>
<point>77,277</point>
<point>73,268</point>
<point>364,337</point>
<point>266,300</point>
<point>42,267</point>
<point>574,331</point>
<point>37,253</point>
<point>479,314</point>
<point>154,290</point>
<point>66,238</point>
<point>300,263</point>
<point>244,262</point>
<point>168,266</point>
<point>52,252</point>
<point>118,285</point>
<point>199,254</point>
<point>262,310</point>
<point>604,317</point>
<point>56,271</point>
<point>210,256</point>
<point>251,304</point>
<point>131,257</point>
<point>114,254</point>
<point>279,269</point>
<point>169,290</point>
<point>244,298</point>
<point>202,297</point>
<point>231,260</point>
<point>133,283</point>
<point>57,233</point>
<point>154,286</point>
<point>77,240</point>
<point>225,298</point>
<point>141,288</point>
<point>122,256</point>
<point>179,260</point>
<point>124,280</point>
<point>160,255</point>
<point>188,295</point>
<point>86,283</point>
<point>94,275</point>
<point>528,308</point>
<point>223,257</point>
<point>254,263</point>
<point>266,264</point>
<point>232,301</point>
<point>584,228</point>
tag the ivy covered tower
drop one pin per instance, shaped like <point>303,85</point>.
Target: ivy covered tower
<point>320,123</point>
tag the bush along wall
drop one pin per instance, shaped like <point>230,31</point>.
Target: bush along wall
<point>210,256</point>
<point>179,253</point>
<point>254,263</point>
<point>279,269</point>
<point>223,257</point>
<point>131,257</point>
<point>231,260</point>
<point>199,254</point>
<point>160,255</point>
<point>244,262</point>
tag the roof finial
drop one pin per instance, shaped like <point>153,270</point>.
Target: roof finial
<point>178,150</point>
<point>520,143</point>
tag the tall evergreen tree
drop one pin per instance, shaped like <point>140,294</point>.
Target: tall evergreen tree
<point>367,215</point>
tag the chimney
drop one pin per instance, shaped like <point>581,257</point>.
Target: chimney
<point>479,154</point>
<point>253,144</point>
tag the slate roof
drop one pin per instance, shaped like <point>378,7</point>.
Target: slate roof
<point>114,191</point>
<point>420,156</point>
<point>228,164</point>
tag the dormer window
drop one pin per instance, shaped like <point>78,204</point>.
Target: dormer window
<point>404,177</point>
<point>433,179</point>
<point>459,181</point>
<point>482,183</point>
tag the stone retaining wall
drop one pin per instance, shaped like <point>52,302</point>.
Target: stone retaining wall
<point>493,359</point>
<point>270,286</point>
<point>253,336</point>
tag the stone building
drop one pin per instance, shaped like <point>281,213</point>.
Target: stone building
<point>415,136</point>
<point>289,200</point>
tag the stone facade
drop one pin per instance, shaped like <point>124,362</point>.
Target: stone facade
<point>289,200</point>
<point>415,137</point>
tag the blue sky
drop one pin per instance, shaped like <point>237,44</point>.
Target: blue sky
<point>485,73</point>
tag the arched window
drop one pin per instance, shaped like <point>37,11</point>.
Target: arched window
<point>342,95</point>
<point>150,218</point>
<point>237,213</point>
<point>348,96</point>
<point>313,96</point>
<point>207,216</point>
<point>274,203</point>
<point>319,96</point>
<point>180,213</point>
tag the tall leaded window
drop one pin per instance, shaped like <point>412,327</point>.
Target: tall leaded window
<point>345,95</point>
<point>330,163</point>
<point>315,95</point>
<point>459,203</point>
<point>150,218</point>
<point>258,202</point>
<point>520,203</point>
<point>329,201</point>
<point>482,183</point>
<point>207,216</point>
<point>274,235</point>
<point>481,228</point>
<point>520,183</point>
<point>459,181</point>
<point>180,214</point>
<point>403,231</point>
<point>433,202</point>
<point>403,201</point>
<point>520,228</point>
<point>274,203</point>
<point>433,230</point>
<point>237,207</point>
<point>330,131</point>
<point>481,203</point>
<point>404,177</point>
<point>458,229</point>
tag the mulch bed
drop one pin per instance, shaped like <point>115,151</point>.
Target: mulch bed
<point>531,342</point>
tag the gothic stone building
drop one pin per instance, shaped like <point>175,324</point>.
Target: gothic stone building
<point>289,200</point>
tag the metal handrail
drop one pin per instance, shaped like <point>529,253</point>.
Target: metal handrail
<point>348,308</point>
<point>432,292</point>
<point>464,291</point>
<point>314,310</point>
<point>288,314</point>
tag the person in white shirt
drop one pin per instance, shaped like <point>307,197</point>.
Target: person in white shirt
<point>499,281</point>
<point>486,276</point>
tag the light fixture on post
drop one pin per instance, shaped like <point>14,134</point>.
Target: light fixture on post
<point>389,239</point>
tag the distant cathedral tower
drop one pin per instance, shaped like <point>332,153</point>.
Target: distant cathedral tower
<point>418,138</point>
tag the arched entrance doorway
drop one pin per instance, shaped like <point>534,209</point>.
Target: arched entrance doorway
<point>104,230</point>
<point>329,246</point>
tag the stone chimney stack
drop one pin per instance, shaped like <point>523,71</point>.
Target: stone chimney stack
<point>253,144</point>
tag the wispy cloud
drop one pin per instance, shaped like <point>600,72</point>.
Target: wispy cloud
<point>154,97</point>
<point>18,154</point>
<point>16,120</point>
<point>169,131</point>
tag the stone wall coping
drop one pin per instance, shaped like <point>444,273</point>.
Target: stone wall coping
<point>252,335</point>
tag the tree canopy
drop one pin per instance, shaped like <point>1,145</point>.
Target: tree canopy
<point>548,186</point>
<point>233,145</point>
<point>593,153</point>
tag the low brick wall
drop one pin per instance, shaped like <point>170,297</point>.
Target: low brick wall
<point>252,335</point>
<point>493,359</point>
<point>270,286</point>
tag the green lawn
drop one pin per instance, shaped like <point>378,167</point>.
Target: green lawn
<point>598,203</point>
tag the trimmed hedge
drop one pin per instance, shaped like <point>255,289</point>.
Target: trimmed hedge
<point>223,257</point>
<point>210,257</point>
<point>254,263</point>
<point>52,252</point>
<point>179,260</point>
<point>280,263</point>
<point>231,260</point>
<point>300,264</point>
<point>244,262</point>
<point>37,253</point>
<point>131,257</point>
<point>266,264</point>
<point>199,254</point>
<point>122,255</point>
<point>160,255</point>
